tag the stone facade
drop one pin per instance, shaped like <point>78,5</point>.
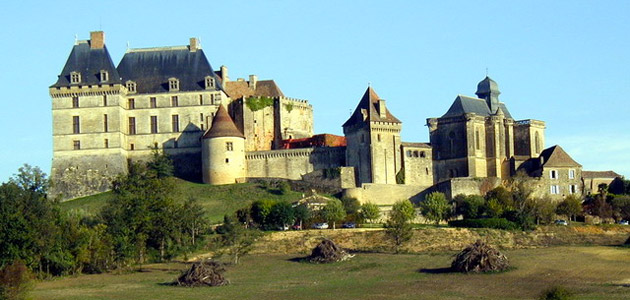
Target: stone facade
<point>293,163</point>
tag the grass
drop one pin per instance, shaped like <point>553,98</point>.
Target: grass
<point>218,200</point>
<point>595,272</point>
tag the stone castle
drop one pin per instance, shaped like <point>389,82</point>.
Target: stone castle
<point>221,131</point>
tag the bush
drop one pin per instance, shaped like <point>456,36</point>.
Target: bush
<point>556,293</point>
<point>14,281</point>
<point>496,223</point>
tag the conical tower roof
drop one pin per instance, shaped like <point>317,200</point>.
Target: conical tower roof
<point>223,126</point>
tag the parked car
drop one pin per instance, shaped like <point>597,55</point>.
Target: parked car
<point>349,225</point>
<point>296,227</point>
<point>624,222</point>
<point>283,228</point>
<point>561,222</point>
<point>320,225</point>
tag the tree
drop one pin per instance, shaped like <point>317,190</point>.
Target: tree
<point>472,206</point>
<point>571,207</point>
<point>302,213</point>
<point>333,212</point>
<point>503,197</point>
<point>281,215</point>
<point>370,212</point>
<point>31,179</point>
<point>160,163</point>
<point>621,207</point>
<point>351,205</point>
<point>543,209</point>
<point>435,207</point>
<point>397,227</point>
<point>237,240</point>
<point>617,186</point>
<point>260,211</point>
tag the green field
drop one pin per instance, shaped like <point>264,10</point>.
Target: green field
<point>218,200</point>
<point>594,272</point>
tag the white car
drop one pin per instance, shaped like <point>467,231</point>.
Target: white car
<point>561,222</point>
<point>624,222</point>
<point>320,225</point>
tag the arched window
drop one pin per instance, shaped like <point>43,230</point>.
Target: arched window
<point>415,154</point>
<point>408,153</point>
<point>422,154</point>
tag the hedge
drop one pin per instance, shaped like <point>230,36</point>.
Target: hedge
<point>496,223</point>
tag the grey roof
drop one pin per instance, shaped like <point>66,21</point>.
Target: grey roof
<point>151,68</point>
<point>465,104</point>
<point>487,85</point>
<point>89,63</point>
<point>368,104</point>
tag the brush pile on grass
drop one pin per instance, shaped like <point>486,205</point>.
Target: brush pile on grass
<point>204,273</point>
<point>327,252</point>
<point>478,258</point>
<point>627,243</point>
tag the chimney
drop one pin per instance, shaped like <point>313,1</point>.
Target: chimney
<point>381,109</point>
<point>252,81</point>
<point>194,44</point>
<point>97,39</point>
<point>224,74</point>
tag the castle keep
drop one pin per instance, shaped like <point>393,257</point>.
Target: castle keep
<point>221,131</point>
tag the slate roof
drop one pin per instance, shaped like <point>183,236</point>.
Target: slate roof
<point>151,68</point>
<point>555,156</point>
<point>89,62</point>
<point>465,104</point>
<point>369,105</point>
<point>223,126</point>
<point>600,174</point>
<point>241,89</point>
<point>487,85</point>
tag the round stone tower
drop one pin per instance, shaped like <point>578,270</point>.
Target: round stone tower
<point>223,151</point>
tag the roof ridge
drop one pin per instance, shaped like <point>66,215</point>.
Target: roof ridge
<point>149,49</point>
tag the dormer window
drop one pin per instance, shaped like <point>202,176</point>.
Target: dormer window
<point>104,76</point>
<point>209,82</point>
<point>75,77</point>
<point>131,86</point>
<point>173,84</point>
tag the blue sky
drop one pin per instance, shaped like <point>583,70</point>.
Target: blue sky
<point>564,62</point>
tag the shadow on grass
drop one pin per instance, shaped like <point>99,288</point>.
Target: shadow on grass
<point>438,271</point>
<point>301,259</point>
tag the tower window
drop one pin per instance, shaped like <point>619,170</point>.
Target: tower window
<point>153,102</point>
<point>477,146</point>
<point>76,145</point>
<point>75,102</point>
<point>104,76</point>
<point>105,125</point>
<point>227,160</point>
<point>76,126</point>
<point>131,103</point>
<point>200,99</point>
<point>173,84</point>
<point>175,123</point>
<point>132,147</point>
<point>131,86</point>
<point>104,100</point>
<point>154,124</point>
<point>75,77</point>
<point>201,117</point>
<point>378,137</point>
<point>174,101</point>
<point>209,82</point>
<point>229,146</point>
<point>132,126</point>
<point>106,143</point>
<point>415,154</point>
<point>422,154</point>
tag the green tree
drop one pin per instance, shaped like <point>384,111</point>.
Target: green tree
<point>237,240</point>
<point>571,207</point>
<point>503,197</point>
<point>370,212</point>
<point>260,211</point>
<point>160,163</point>
<point>31,179</point>
<point>435,207</point>
<point>397,227</point>
<point>472,206</point>
<point>282,214</point>
<point>621,207</point>
<point>493,208</point>
<point>333,212</point>
<point>302,214</point>
<point>543,210</point>
<point>351,205</point>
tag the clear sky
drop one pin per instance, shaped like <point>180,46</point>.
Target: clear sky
<point>563,62</point>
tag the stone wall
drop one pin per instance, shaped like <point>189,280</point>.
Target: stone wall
<point>465,185</point>
<point>293,163</point>
<point>385,194</point>
<point>417,164</point>
<point>296,118</point>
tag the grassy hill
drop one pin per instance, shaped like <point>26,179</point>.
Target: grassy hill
<point>218,200</point>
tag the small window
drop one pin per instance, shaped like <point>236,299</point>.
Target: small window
<point>200,99</point>
<point>75,102</point>
<point>201,117</point>
<point>572,189</point>
<point>422,154</point>
<point>131,86</point>
<point>76,126</point>
<point>131,103</point>
<point>571,174</point>
<point>75,77</point>
<point>106,143</point>
<point>104,76</point>
<point>477,146</point>
<point>153,102</point>
<point>104,100</point>
<point>555,190</point>
<point>415,154</point>
<point>229,146</point>
<point>212,99</point>
<point>173,84</point>
<point>76,145</point>
<point>132,125</point>
<point>154,124</point>
<point>132,147</point>
<point>378,137</point>
<point>408,153</point>
<point>427,170</point>
<point>227,160</point>
<point>105,123</point>
<point>209,82</point>
<point>174,101</point>
<point>155,145</point>
<point>175,123</point>
<point>553,174</point>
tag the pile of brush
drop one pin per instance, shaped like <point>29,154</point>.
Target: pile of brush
<point>204,273</point>
<point>478,258</point>
<point>327,252</point>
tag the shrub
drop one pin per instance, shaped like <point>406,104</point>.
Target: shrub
<point>556,293</point>
<point>14,281</point>
<point>496,223</point>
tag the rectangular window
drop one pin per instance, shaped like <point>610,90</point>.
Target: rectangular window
<point>132,104</point>
<point>132,125</point>
<point>76,126</point>
<point>229,146</point>
<point>104,100</point>
<point>175,123</point>
<point>76,145</point>
<point>105,125</point>
<point>571,174</point>
<point>572,189</point>
<point>174,101</point>
<point>553,174</point>
<point>106,143</point>
<point>154,124</point>
<point>200,99</point>
<point>75,102</point>
<point>555,190</point>
<point>153,102</point>
<point>201,117</point>
<point>132,147</point>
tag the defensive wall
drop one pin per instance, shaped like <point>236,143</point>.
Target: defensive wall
<point>293,163</point>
